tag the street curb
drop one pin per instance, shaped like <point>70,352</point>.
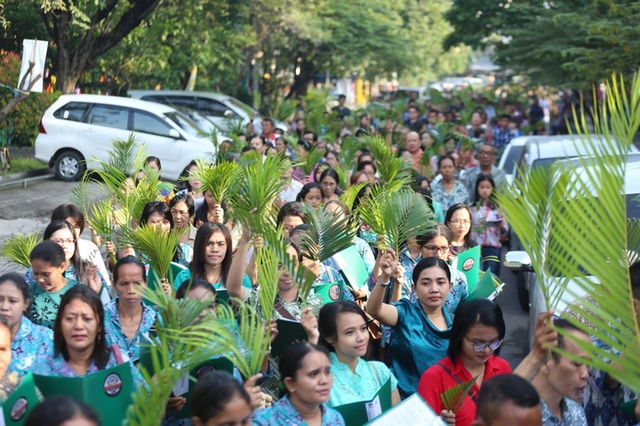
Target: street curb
<point>24,175</point>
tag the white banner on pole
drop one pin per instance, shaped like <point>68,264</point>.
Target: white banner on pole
<point>34,54</point>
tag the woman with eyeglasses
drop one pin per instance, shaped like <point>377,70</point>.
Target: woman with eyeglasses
<point>476,335</point>
<point>458,219</point>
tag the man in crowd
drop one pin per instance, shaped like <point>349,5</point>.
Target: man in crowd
<point>413,122</point>
<point>561,381</point>
<point>412,144</point>
<point>501,133</point>
<point>486,158</point>
<point>507,399</point>
<point>342,110</point>
<point>268,131</point>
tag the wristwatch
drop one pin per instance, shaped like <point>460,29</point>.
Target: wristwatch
<point>384,284</point>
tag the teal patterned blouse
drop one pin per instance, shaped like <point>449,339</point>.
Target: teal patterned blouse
<point>44,304</point>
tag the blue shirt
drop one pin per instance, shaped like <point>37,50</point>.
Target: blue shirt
<point>416,344</point>
<point>115,335</point>
<point>283,413</point>
<point>572,414</point>
<point>362,385</point>
<point>30,342</point>
<point>44,305</point>
<point>185,275</point>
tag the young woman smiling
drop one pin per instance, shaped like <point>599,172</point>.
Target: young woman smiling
<point>27,339</point>
<point>421,329</point>
<point>344,332</point>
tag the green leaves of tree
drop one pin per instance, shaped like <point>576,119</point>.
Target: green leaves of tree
<point>18,248</point>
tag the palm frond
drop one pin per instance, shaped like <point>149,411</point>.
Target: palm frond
<point>573,224</point>
<point>18,248</point>
<point>348,148</point>
<point>156,246</point>
<point>348,197</point>
<point>261,183</point>
<point>390,167</point>
<point>145,191</point>
<point>396,216</point>
<point>267,261</point>
<point>328,233</point>
<point>310,160</point>
<point>452,397</point>
<point>219,179</point>
<point>316,101</point>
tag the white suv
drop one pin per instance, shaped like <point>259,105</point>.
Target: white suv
<point>78,128</point>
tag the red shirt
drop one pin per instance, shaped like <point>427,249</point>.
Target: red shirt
<point>437,379</point>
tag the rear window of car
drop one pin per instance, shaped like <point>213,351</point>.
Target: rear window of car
<point>109,116</point>
<point>73,111</point>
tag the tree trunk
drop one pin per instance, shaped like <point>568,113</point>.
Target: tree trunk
<point>301,81</point>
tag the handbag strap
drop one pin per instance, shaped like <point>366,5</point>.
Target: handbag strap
<point>457,379</point>
<point>279,307</point>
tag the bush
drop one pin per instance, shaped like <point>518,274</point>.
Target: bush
<point>23,119</point>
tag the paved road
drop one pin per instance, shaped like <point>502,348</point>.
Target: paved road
<point>25,210</point>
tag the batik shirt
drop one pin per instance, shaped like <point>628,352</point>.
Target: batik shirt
<point>283,413</point>
<point>30,342</point>
<point>459,194</point>
<point>601,400</point>
<point>115,335</point>
<point>44,305</point>
<point>572,414</point>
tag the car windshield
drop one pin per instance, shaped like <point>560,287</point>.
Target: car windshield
<point>545,162</point>
<point>513,155</point>
<point>185,123</point>
<point>241,105</point>
<point>633,205</point>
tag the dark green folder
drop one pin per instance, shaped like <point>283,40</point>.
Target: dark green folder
<point>174,270</point>
<point>468,262</point>
<point>629,407</point>
<point>288,332</point>
<point>352,267</point>
<point>21,401</point>
<point>485,289</point>
<point>328,292</point>
<point>356,413</point>
<point>108,392</point>
<point>220,364</point>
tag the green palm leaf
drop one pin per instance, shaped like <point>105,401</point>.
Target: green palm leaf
<point>310,160</point>
<point>452,397</point>
<point>390,167</point>
<point>329,233</point>
<point>18,248</point>
<point>350,144</point>
<point>396,216</point>
<point>219,179</point>
<point>575,229</point>
<point>156,246</point>
<point>267,261</point>
<point>348,197</point>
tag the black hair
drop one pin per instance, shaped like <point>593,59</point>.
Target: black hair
<point>18,281</point>
<point>328,319</point>
<point>306,189</point>
<point>502,389</point>
<point>268,120</point>
<point>302,228</point>
<point>291,358</point>
<point>446,157</point>
<point>189,285</point>
<point>362,164</point>
<point>476,196</point>
<point>426,194</point>
<point>304,144</point>
<point>360,196</point>
<point>100,354</point>
<point>563,324</point>
<point>470,313</point>
<point>430,262</point>
<point>309,132</point>
<point>199,245</point>
<point>247,148</point>
<point>447,217</point>
<point>183,197</point>
<point>183,180</point>
<point>75,260</point>
<point>128,260</point>
<point>332,174</point>
<point>364,152</point>
<point>213,392</point>
<point>69,211</point>
<point>159,207</point>
<point>154,159</point>
<point>439,230</point>
<point>292,208</point>
<point>57,410</point>
<point>49,252</point>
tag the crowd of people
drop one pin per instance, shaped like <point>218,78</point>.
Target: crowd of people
<point>78,309</point>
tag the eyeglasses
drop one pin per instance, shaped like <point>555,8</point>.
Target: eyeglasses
<point>62,242</point>
<point>460,221</point>
<point>442,249</point>
<point>179,212</point>
<point>481,346</point>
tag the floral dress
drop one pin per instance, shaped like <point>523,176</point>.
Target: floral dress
<point>283,413</point>
<point>30,342</point>
<point>116,336</point>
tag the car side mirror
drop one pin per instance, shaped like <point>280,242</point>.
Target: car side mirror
<point>517,260</point>
<point>228,113</point>
<point>175,134</point>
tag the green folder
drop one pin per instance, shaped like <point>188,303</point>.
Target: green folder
<point>220,364</point>
<point>328,292</point>
<point>486,288</point>
<point>352,267</point>
<point>468,262</point>
<point>361,412</point>
<point>288,332</point>
<point>629,407</point>
<point>21,401</point>
<point>108,392</point>
<point>174,270</point>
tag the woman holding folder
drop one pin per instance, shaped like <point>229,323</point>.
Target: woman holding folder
<point>79,343</point>
<point>344,332</point>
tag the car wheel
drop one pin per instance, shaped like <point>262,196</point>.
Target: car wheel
<point>523,291</point>
<point>69,166</point>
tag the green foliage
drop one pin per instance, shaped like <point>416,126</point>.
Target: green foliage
<point>18,248</point>
<point>283,110</point>
<point>156,246</point>
<point>328,233</point>
<point>310,160</point>
<point>267,261</point>
<point>348,197</point>
<point>452,397</point>
<point>350,144</point>
<point>395,216</point>
<point>391,168</point>
<point>219,179</point>
<point>574,227</point>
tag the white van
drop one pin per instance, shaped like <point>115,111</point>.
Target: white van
<point>78,128</point>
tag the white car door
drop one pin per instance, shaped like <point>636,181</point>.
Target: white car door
<point>155,134</point>
<point>103,124</point>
